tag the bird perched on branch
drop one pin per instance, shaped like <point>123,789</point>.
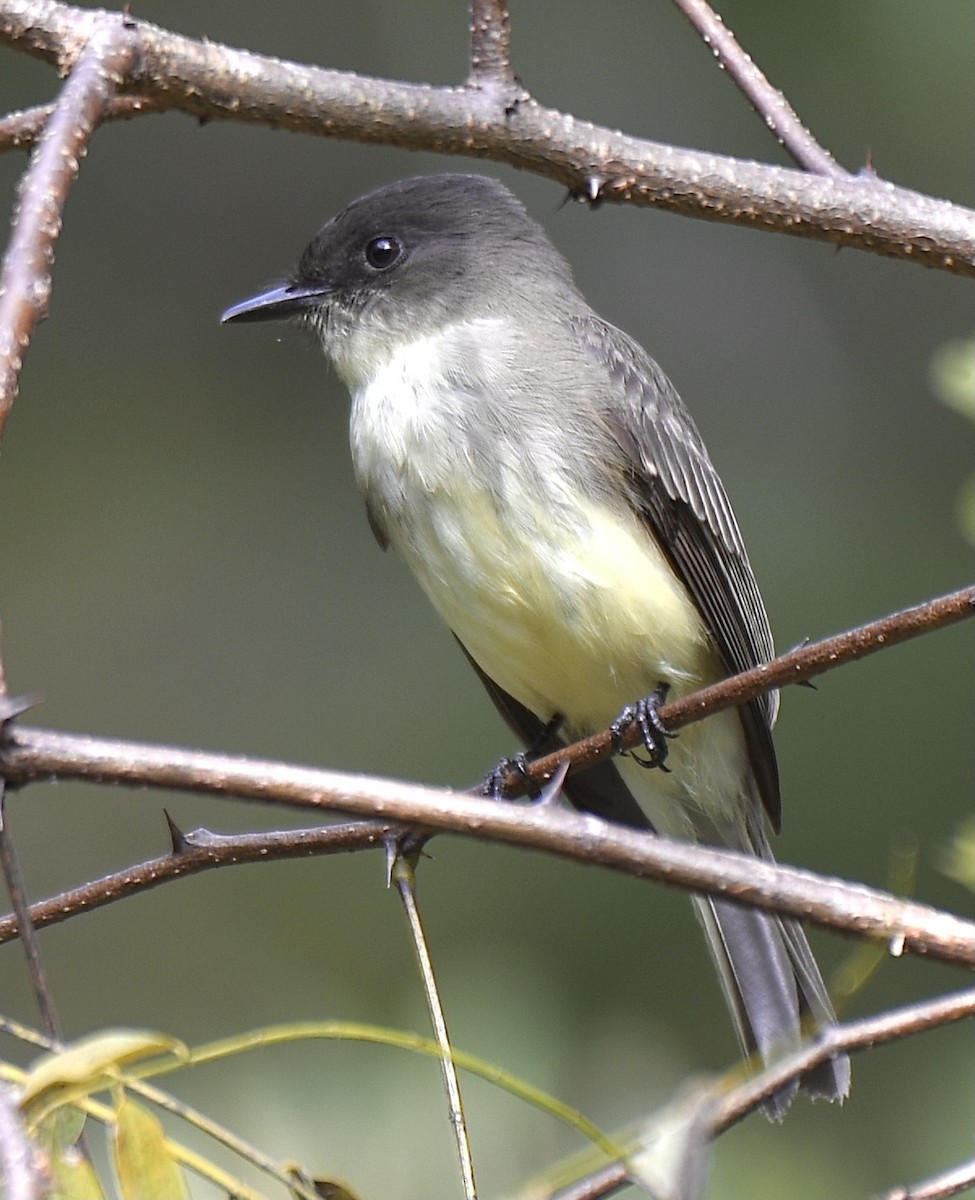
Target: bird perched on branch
<point>544,482</point>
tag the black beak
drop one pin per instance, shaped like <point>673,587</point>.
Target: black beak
<point>278,302</point>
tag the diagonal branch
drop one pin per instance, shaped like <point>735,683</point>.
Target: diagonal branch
<point>797,666</point>
<point>732,1105</point>
<point>199,851</point>
<point>214,81</point>
<point>952,1182</point>
<point>850,908</point>
<point>25,283</point>
<point>767,101</point>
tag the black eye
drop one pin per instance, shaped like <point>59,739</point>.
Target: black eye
<point>382,252</point>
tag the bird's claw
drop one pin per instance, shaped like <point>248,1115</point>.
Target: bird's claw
<point>652,730</point>
<point>494,781</point>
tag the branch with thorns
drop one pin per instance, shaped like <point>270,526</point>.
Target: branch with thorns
<point>28,755</point>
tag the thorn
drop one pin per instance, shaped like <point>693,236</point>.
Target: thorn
<point>12,707</point>
<point>391,849</point>
<point>867,171</point>
<point>176,836</point>
<point>590,193</point>
<point>594,190</point>
<point>516,101</point>
<point>402,852</point>
<point>550,793</point>
<point>801,645</point>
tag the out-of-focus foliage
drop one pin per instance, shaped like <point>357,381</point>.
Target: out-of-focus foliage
<point>953,379</point>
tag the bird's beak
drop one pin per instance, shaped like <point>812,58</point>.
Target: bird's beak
<point>278,302</point>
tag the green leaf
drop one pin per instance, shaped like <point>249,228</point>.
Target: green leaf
<point>72,1175</point>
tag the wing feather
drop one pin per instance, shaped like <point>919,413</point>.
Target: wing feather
<point>681,496</point>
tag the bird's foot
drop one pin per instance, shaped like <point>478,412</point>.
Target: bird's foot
<point>546,740</point>
<point>655,736</point>
<point>494,781</point>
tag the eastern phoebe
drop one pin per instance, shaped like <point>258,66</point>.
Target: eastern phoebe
<point>547,487</point>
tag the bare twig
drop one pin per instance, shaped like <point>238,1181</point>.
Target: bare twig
<point>768,102</point>
<point>846,1037</point>
<point>402,873</point>
<point>32,754</point>
<point>10,867</point>
<point>939,1187</point>
<point>209,80</point>
<point>25,286</point>
<point>198,851</point>
<point>25,283</point>
<point>20,130</point>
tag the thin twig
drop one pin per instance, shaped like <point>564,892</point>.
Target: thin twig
<point>10,867</point>
<point>843,1038</point>
<point>214,81</point>
<point>32,754</point>
<point>25,282</point>
<point>939,1187</point>
<point>402,874</point>
<point>25,286</point>
<point>770,104</point>
<point>198,851</point>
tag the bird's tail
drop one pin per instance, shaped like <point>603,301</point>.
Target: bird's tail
<point>775,992</point>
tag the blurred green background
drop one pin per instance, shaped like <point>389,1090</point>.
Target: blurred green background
<point>185,560</point>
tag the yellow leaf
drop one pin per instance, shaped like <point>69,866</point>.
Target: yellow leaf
<point>144,1166</point>
<point>86,1065</point>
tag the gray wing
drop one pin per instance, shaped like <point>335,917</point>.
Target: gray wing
<point>684,502</point>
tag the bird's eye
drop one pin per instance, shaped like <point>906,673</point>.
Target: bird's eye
<point>382,252</point>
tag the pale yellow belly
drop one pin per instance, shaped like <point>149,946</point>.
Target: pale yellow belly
<point>581,620</point>
<point>578,619</point>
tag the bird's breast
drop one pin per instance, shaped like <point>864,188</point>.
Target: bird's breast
<point>563,598</point>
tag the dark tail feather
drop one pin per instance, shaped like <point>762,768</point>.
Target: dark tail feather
<point>775,992</point>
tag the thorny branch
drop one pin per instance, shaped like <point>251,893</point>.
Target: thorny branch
<point>27,755</point>
<point>214,81</point>
<point>851,908</point>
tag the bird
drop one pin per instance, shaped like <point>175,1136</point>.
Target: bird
<point>550,492</point>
